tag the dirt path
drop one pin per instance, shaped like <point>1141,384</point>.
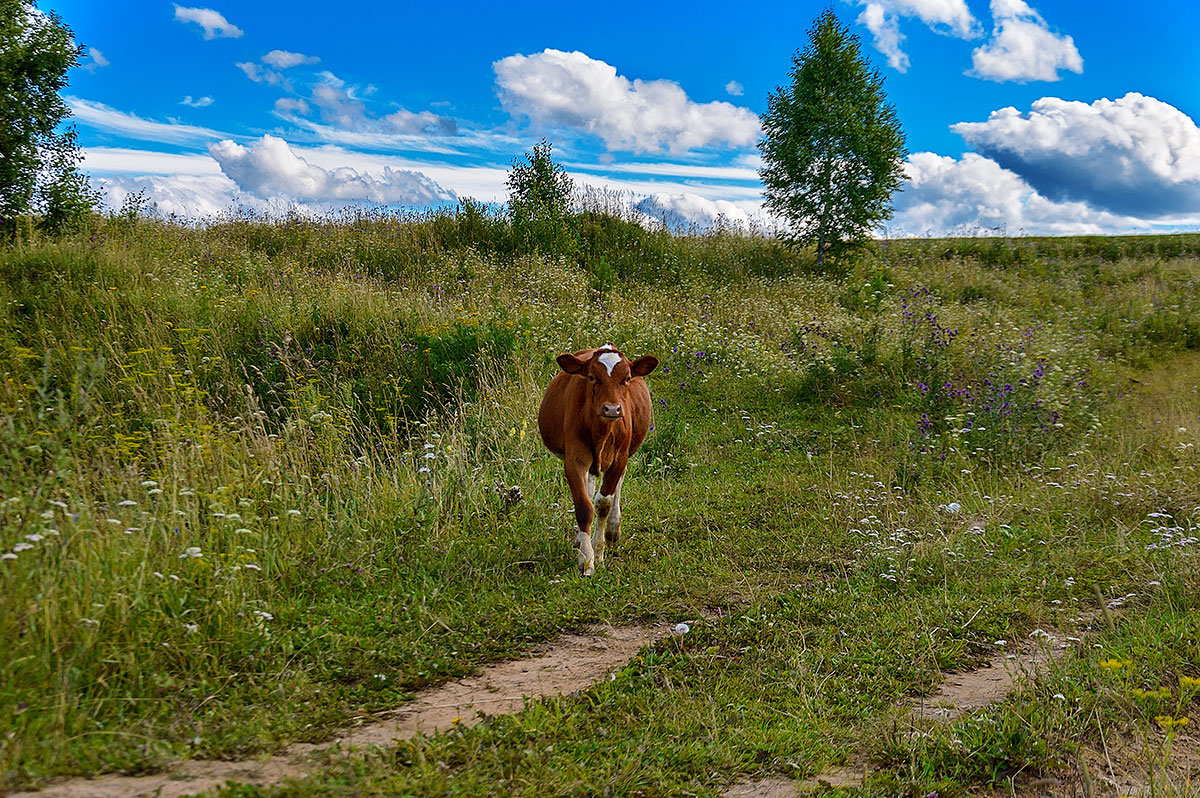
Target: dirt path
<point>958,693</point>
<point>962,692</point>
<point>569,663</point>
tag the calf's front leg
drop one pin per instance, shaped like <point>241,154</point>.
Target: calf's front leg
<point>577,480</point>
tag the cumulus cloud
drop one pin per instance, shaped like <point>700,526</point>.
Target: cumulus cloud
<point>944,196</point>
<point>1135,155</point>
<point>882,19</point>
<point>572,90</point>
<point>214,24</point>
<point>186,196</point>
<point>269,168</point>
<point>1023,48</point>
<point>690,211</point>
<point>734,89</point>
<point>203,102</point>
<point>284,59</point>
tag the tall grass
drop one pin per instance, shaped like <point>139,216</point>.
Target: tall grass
<point>250,462</point>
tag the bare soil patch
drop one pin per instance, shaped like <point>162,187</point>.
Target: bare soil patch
<point>962,692</point>
<point>770,787</point>
<point>569,663</point>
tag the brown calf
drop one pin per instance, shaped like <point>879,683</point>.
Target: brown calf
<point>595,414</point>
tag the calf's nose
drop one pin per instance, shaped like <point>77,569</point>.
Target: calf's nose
<point>612,411</point>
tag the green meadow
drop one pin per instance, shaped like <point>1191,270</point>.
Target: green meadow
<point>255,480</point>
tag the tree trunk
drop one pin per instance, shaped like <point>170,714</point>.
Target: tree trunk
<point>821,251</point>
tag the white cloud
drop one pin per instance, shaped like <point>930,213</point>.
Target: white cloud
<point>129,161</point>
<point>97,60</point>
<point>676,170</point>
<point>572,90</point>
<point>215,25</point>
<point>283,59</point>
<point>260,74</point>
<point>976,196</point>
<point>285,106</point>
<point>1135,155</point>
<point>269,168</point>
<point>690,211</point>
<point>882,18</point>
<point>1022,47</point>
<point>131,169</point>
<point>340,106</point>
<point>485,182</point>
<point>886,30</point>
<point>187,196</point>
<point>101,116</point>
<point>734,89</point>
<point>203,102</point>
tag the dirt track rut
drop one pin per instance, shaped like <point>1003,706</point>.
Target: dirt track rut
<point>570,662</point>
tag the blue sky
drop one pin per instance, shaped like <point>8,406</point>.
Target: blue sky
<point>1022,116</point>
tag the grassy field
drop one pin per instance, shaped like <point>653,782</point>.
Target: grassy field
<point>253,480</point>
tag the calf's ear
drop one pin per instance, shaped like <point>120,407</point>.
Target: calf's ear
<point>644,365</point>
<point>571,364</point>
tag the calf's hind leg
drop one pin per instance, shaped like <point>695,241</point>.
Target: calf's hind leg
<point>608,505</point>
<point>612,529</point>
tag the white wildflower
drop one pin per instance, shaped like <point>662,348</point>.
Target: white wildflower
<point>191,551</point>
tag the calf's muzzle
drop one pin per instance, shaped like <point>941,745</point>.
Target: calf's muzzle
<point>611,411</point>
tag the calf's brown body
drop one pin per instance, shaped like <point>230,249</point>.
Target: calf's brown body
<point>595,414</point>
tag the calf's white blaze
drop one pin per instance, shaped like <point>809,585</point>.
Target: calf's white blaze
<point>610,360</point>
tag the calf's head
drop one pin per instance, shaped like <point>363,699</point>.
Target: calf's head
<point>608,373</point>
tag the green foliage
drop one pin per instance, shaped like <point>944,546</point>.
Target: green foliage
<point>38,171</point>
<point>539,201</point>
<point>832,148</point>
